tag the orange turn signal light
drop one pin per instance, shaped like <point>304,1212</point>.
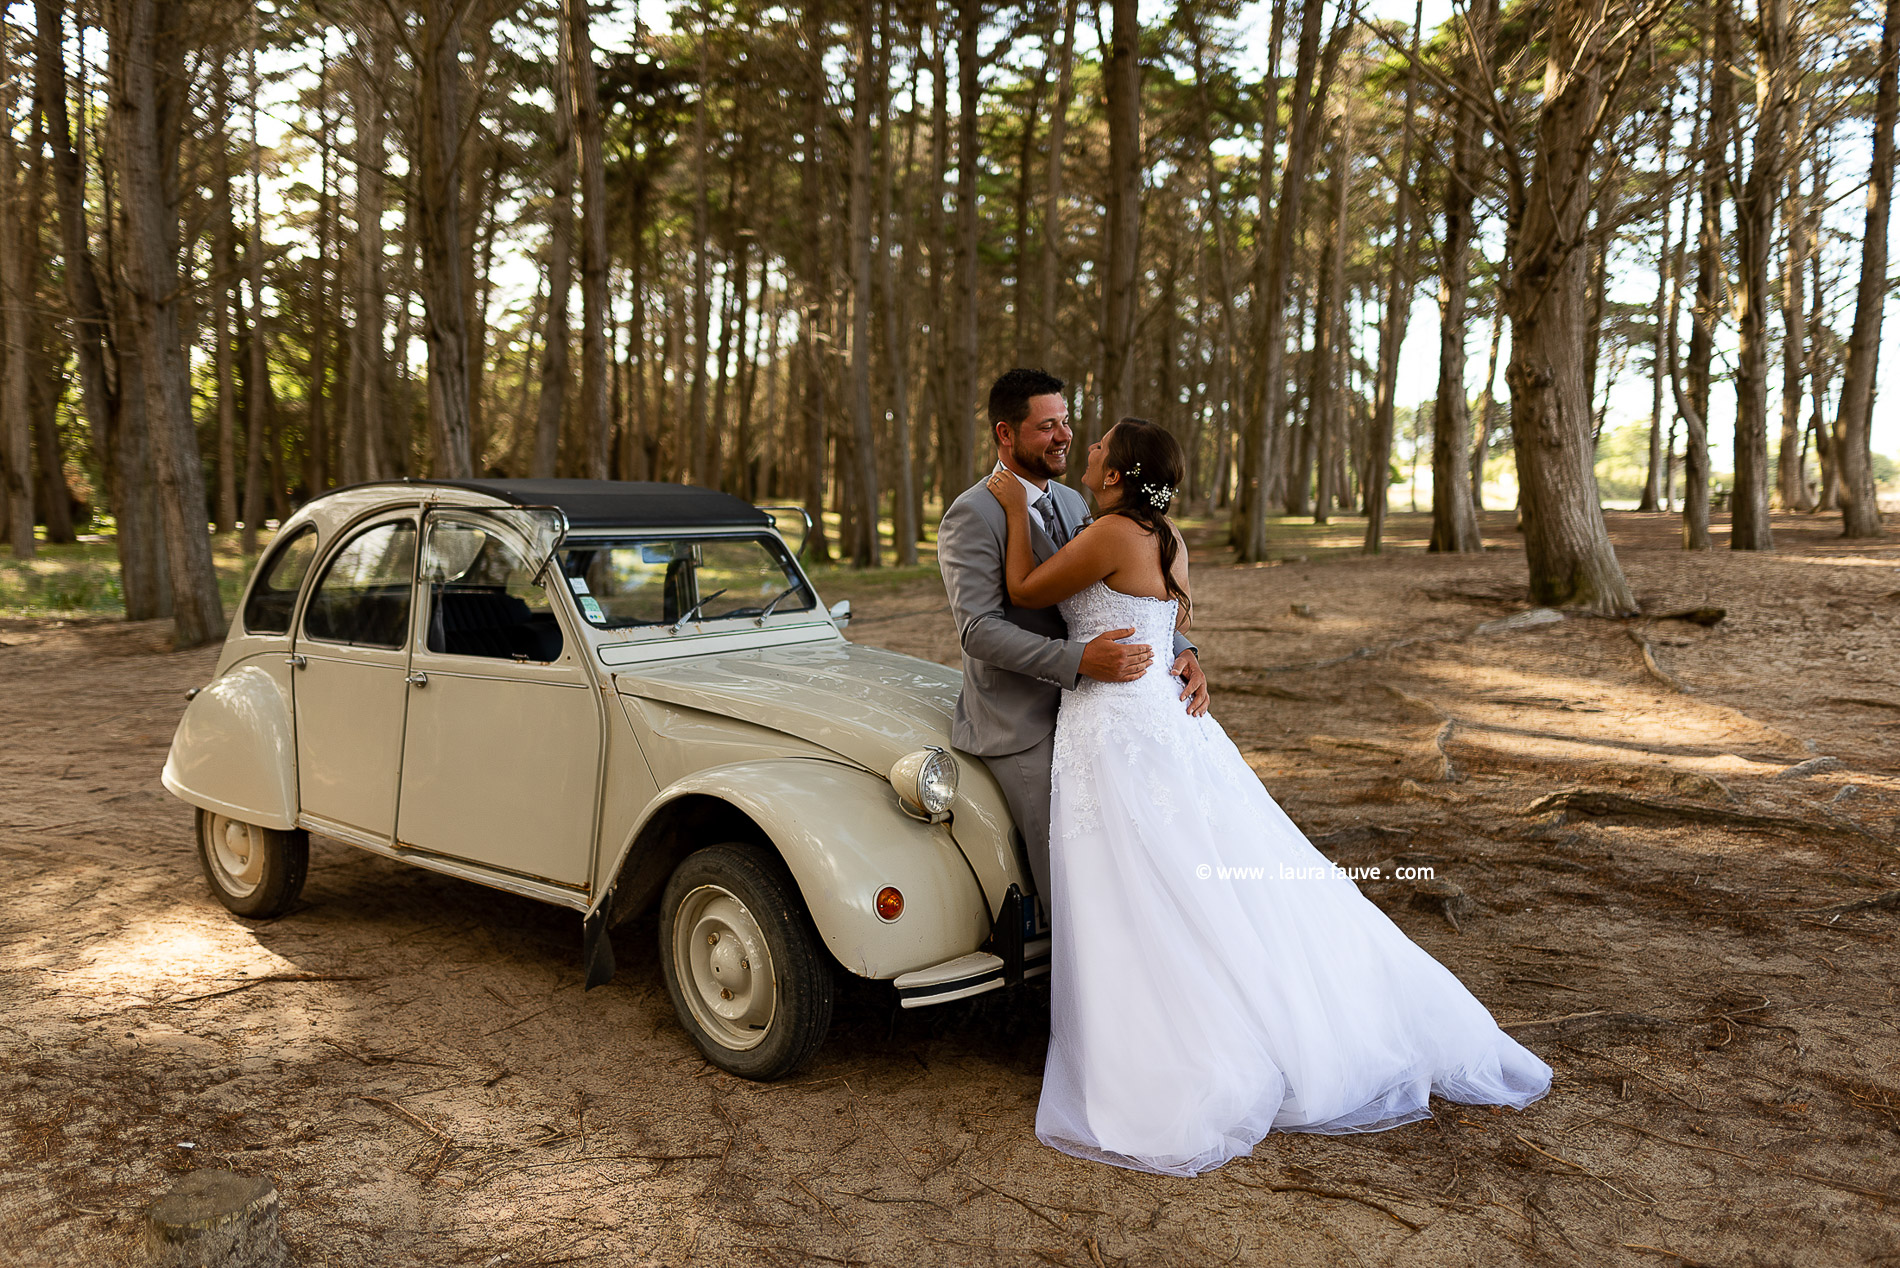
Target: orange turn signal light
<point>890,903</point>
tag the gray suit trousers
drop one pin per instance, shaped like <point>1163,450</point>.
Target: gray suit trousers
<point>1025,778</point>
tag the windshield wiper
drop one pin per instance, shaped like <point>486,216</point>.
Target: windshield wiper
<point>782,595</point>
<point>693,611</point>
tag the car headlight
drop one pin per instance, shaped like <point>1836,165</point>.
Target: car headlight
<point>926,781</point>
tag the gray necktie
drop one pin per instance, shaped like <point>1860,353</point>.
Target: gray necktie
<point>1046,507</point>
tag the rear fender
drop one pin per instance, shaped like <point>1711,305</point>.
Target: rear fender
<point>235,751</point>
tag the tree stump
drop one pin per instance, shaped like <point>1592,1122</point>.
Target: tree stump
<point>215,1219</point>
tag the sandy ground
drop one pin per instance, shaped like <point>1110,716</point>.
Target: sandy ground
<point>1704,952</point>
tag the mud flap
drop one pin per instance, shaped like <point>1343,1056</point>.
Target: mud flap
<point>1006,935</point>
<point>597,951</point>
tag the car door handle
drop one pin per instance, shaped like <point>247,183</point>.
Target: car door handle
<point>296,662</point>
<point>417,679</point>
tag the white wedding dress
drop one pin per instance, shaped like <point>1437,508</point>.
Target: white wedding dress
<point>1194,1009</point>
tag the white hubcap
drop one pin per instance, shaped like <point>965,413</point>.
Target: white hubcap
<point>724,967</point>
<point>236,851</point>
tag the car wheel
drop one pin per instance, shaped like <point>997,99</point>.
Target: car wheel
<point>749,978</point>
<point>256,872</point>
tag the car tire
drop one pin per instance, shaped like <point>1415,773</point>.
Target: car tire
<point>748,975</point>
<point>254,871</point>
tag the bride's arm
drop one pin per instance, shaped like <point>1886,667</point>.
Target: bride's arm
<point>1085,560</point>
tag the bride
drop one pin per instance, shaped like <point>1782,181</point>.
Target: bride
<point>1212,978</point>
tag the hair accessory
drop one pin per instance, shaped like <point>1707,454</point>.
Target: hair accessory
<point>1159,495</point>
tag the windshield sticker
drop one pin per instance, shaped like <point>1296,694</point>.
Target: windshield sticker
<point>577,584</point>
<point>591,607</point>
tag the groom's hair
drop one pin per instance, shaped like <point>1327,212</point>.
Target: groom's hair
<point>1009,396</point>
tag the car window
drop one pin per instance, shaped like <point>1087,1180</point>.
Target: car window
<point>626,583</point>
<point>363,597</point>
<point>274,594</point>
<point>482,597</point>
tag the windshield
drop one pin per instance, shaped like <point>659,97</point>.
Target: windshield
<point>618,584</point>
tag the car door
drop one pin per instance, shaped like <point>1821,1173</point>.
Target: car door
<point>502,746</point>
<point>350,656</point>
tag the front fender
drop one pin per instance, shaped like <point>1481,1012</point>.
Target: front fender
<point>843,838</point>
<point>235,751</point>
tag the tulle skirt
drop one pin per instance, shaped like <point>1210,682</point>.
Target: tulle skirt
<point>1213,978</point>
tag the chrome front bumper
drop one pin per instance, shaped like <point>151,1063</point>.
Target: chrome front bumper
<point>1011,956</point>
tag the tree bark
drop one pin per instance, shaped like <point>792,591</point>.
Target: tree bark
<point>1401,269</point>
<point>438,201</point>
<point>1566,544</point>
<point>959,450</point>
<point>364,443</point>
<point>1455,499</point>
<point>257,399</point>
<point>596,421</point>
<point>103,405</point>
<point>1312,78</point>
<point>1049,292</point>
<point>1860,510</point>
<point>864,550</point>
<point>225,275</point>
<point>147,43</point>
<point>1664,313</point>
<point>1791,477</point>
<point>551,405</point>
<point>904,517</point>
<point>1756,203</point>
<point>1123,81</point>
<point>16,286</point>
<point>1710,268</point>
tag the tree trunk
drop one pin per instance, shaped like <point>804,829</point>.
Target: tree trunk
<point>1664,312</point>
<point>224,280</point>
<point>1398,315</point>
<point>904,517</point>
<point>1860,510</point>
<point>438,221</point>
<point>1710,281</point>
<point>550,407</point>
<point>1329,324</point>
<point>577,47</point>
<point>1487,410</point>
<point>1312,79</point>
<point>1049,292</point>
<point>1565,541</point>
<point>1123,81</point>
<point>104,406</point>
<point>864,550</point>
<point>148,103</point>
<point>256,399</point>
<point>959,451</point>
<point>365,443</point>
<point>16,286</point>
<point>1454,499</point>
<point>317,392</point>
<point>1791,477</point>
<point>816,270</point>
<point>1755,206</point>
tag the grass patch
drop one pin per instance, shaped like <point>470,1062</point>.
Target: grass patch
<point>82,580</point>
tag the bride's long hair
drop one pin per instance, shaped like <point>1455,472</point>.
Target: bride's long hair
<point>1150,462</point>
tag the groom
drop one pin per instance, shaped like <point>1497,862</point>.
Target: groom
<point>1016,661</point>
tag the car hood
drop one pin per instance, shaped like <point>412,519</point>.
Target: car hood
<point>867,705</point>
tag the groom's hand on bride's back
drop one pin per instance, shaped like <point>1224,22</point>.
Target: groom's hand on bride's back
<point>1107,660</point>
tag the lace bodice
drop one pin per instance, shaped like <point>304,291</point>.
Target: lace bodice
<point>1128,716</point>
<point>1098,609</point>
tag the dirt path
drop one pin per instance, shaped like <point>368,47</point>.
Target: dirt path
<point>412,1060</point>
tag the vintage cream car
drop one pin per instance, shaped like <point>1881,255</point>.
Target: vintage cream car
<point>604,696</point>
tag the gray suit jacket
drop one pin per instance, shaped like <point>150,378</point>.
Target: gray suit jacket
<point>1016,661</point>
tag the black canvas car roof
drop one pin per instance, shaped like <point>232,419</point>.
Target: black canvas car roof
<point>622,503</point>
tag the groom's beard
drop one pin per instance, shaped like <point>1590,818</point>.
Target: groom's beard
<point>1045,465</point>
